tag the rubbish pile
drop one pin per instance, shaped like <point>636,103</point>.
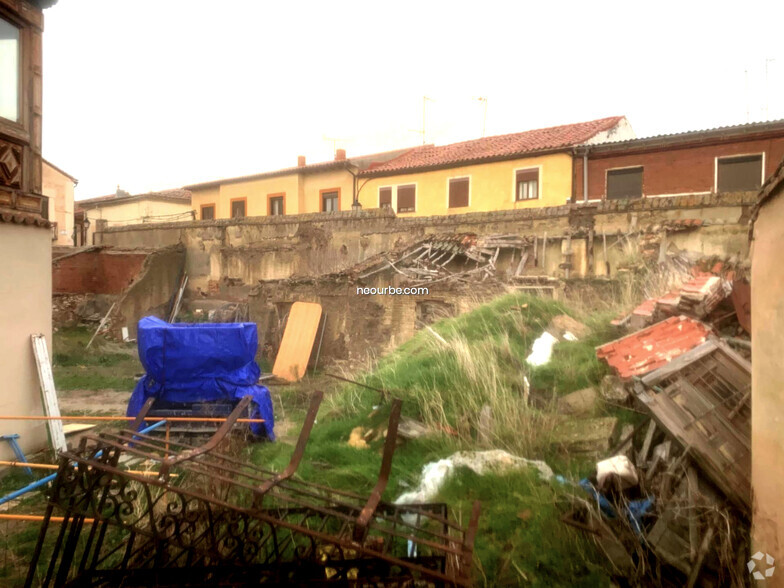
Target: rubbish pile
<point>671,503</point>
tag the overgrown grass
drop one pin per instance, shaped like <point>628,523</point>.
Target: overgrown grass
<point>106,365</point>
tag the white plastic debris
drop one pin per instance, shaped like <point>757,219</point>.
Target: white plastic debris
<point>542,350</point>
<point>435,473</point>
<point>568,336</point>
<point>619,466</point>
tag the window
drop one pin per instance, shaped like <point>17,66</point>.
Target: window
<point>277,206</point>
<point>458,192</point>
<point>9,71</point>
<point>385,197</point>
<point>207,212</point>
<point>406,198</point>
<point>330,200</point>
<point>527,184</point>
<point>238,208</point>
<point>739,174</point>
<point>624,183</point>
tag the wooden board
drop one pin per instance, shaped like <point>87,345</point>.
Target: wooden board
<point>297,344</point>
<point>72,428</point>
<point>51,406</point>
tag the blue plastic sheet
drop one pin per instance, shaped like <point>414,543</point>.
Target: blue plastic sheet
<point>201,362</point>
<point>634,512</point>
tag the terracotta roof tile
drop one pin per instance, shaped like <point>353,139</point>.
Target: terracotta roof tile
<point>496,147</point>
<point>654,346</point>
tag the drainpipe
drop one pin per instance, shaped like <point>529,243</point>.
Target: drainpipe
<point>354,196</point>
<point>585,174</point>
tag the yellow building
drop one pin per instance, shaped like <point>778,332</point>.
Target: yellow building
<point>58,186</point>
<point>520,170</point>
<point>320,187</point>
<point>123,208</point>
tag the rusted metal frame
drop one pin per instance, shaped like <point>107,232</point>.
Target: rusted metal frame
<point>152,443</point>
<point>213,442</point>
<point>360,530</point>
<point>366,552</point>
<point>299,449</point>
<point>348,517</point>
<point>469,538</point>
<point>137,422</point>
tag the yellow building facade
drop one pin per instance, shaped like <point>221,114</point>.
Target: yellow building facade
<point>491,186</point>
<point>58,187</point>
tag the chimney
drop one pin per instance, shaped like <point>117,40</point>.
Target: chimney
<point>300,161</point>
<point>340,155</point>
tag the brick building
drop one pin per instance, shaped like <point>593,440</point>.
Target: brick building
<point>725,159</point>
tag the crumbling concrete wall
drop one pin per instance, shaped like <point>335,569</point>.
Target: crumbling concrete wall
<point>96,271</point>
<point>153,288</point>
<point>271,248</point>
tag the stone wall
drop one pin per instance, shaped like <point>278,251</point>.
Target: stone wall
<point>245,251</point>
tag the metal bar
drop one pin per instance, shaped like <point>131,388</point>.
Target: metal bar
<point>137,422</point>
<point>213,442</point>
<point>360,529</point>
<point>299,449</point>
<point>379,390</point>
<point>126,418</point>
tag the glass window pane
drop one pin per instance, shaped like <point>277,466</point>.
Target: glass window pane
<point>9,71</point>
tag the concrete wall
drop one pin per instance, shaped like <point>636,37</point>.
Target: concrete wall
<point>59,188</point>
<point>254,249</point>
<point>153,288</point>
<point>492,186</point>
<point>767,319</point>
<point>673,169</point>
<point>25,309</point>
<point>96,271</point>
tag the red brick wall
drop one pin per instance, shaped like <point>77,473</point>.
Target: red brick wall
<point>673,170</point>
<point>95,272</point>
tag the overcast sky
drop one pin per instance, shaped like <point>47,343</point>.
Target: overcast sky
<point>156,94</point>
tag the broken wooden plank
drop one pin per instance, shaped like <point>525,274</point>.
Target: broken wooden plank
<point>48,393</point>
<point>100,325</point>
<point>296,346</point>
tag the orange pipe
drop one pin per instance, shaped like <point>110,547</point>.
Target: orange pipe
<point>35,518</point>
<point>125,418</point>
<point>49,466</point>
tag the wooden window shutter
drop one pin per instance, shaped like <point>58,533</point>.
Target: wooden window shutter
<point>238,209</point>
<point>624,183</point>
<point>739,174</point>
<point>406,198</point>
<point>207,212</point>
<point>527,175</point>
<point>458,192</point>
<point>384,197</point>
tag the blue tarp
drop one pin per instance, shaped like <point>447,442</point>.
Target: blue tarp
<point>201,362</point>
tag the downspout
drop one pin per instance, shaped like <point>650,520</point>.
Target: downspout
<point>354,196</point>
<point>585,174</point>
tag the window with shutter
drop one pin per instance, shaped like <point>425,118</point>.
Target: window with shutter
<point>527,184</point>
<point>276,205</point>
<point>406,198</point>
<point>739,174</point>
<point>207,211</point>
<point>330,201</point>
<point>458,192</point>
<point>238,208</point>
<point>624,183</point>
<point>385,197</point>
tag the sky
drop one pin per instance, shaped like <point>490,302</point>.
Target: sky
<point>157,94</point>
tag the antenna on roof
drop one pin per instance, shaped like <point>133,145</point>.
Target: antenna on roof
<point>421,131</point>
<point>334,141</point>
<point>484,118</point>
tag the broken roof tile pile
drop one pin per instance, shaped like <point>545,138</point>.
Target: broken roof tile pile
<point>498,147</point>
<point>653,347</point>
<point>701,295</point>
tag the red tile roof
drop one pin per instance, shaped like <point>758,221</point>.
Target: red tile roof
<point>498,147</point>
<point>654,346</point>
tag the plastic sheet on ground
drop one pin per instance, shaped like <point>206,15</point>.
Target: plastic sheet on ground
<point>435,473</point>
<point>542,350</point>
<point>202,362</point>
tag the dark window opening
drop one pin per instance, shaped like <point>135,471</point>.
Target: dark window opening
<point>208,212</point>
<point>624,183</point>
<point>238,209</point>
<point>276,206</point>
<point>329,202</point>
<point>527,184</point>
<point>385,197</point>
<point>406,198</point>
<point>458,192</point>
<point>739,174</point>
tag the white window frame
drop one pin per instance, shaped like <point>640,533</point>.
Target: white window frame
<point>539,194</point>
<point>735,156</point>
<point>470,190</point>
<point>607,174</point>
<point>416,197</point>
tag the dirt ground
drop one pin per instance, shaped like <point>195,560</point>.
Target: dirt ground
<point>104,402</point>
